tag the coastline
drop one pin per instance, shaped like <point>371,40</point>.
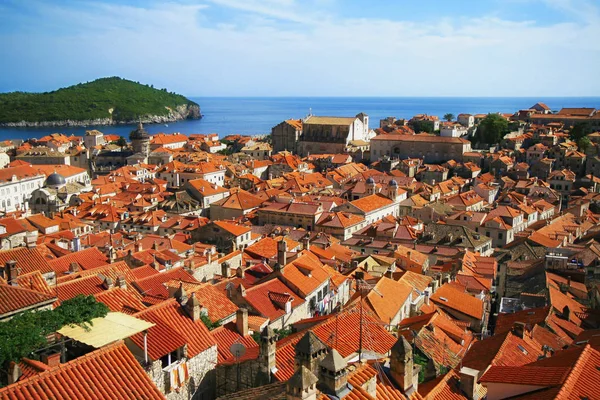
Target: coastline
<point>187,112</point>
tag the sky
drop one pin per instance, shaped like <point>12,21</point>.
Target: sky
<point>307,47</point>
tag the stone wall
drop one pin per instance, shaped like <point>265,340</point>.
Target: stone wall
<point>231,378</point>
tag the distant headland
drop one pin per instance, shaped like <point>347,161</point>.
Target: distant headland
<point>104,101</point>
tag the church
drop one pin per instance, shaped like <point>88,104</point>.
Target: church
<point>321,135</point>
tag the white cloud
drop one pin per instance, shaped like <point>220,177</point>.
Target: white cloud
<point>283,47</point>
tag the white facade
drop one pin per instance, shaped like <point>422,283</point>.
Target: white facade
<point>15,193</point>
<point>453,131</point>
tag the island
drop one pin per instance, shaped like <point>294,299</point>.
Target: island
<point>104,101</point>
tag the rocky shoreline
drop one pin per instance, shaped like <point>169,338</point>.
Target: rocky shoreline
<point>183,112</point>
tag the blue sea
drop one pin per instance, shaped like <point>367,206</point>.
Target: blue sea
<point>257,115</point>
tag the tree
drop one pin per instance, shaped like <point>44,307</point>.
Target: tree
<point>422,126</point>
<point>121,142</point>
<point>584,143</point>
<point>492,129</point>
<point>449,117</point>
<point>27,331</point>
<point>580,130</point>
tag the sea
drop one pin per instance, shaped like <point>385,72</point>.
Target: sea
<point>257,115</point>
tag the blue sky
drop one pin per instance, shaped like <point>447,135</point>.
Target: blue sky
<point>307,47</point>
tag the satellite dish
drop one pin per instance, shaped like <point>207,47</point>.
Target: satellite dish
<point>237,350</point>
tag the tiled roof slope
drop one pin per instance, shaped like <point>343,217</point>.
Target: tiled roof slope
<point>28,260</point>
<point>108,373</point>
<point>14,298</point>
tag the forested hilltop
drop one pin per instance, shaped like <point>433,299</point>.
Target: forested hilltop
<point>104,101</point>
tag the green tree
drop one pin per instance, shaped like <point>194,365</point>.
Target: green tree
<point>27,331</point>
<point>584,143</point>
<point>121,142</point>
<point>422,126</point>
<point>492,129</point>
<point>449,117</point>
<point>580,130</point>
<point>208,323</point>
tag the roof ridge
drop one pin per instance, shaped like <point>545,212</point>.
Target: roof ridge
<point>576,370</point>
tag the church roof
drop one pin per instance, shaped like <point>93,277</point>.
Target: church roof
<point>314,120</point>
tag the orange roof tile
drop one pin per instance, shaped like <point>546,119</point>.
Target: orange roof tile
<point>448,296</point>
<point>14,299</point>
<point>110,372</point>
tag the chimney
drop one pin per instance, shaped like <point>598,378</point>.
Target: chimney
<point>14,373</point>
<point>426,298</point>
<point>138,246</point>
<point>225,270</point>
<point>239,272</point>
<point>193,308</point>
<point>11,272</point>
<point>73,267</point>
<point>31,240</point>
<point>121,283</point>
<point>306,242</point>
<point>282,252</point>
<point>566,313</point>
<point>241,321</point>
<point>468,383</point>
<point>209,257</point>
<point>51,359</point>
<point>76,244</point>
<point>108,283</point>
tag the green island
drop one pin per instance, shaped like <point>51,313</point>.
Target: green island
<point>104,101</point>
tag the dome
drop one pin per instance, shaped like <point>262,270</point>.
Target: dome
<point>139,133</point>
<point>55,179</point>
<point>393,182</point>
<point>370,181</point>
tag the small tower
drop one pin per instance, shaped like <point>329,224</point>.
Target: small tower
<point>310,350</point>
<point>140,140</point>
<point>282,252</point>
<point>302,385</point>
<point>333,376</point>
<point>393,190</point>
<point>268,346</point>
<point>401,366</point>
<point>371,186</point>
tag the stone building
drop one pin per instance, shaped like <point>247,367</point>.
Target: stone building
<point>140,141</point>
<point>430,148</point>
<point>321,135</point>
<point>285,135</point>
<point>56,195</point>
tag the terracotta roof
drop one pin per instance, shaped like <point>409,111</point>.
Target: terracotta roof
<point>448,296</point>
<point>120,300</point>
<point>215,301</point>
<point>86,259</point>
<point>371,203</point>
<point>110,372</point>
<point>233,228</point>
<point>227,335</point>
<point>340,331</point>
<point>305,273</point>
<point>240,200</point>
<point>506,349</point>
<point>568,374</point>
<point>174,318</point>
<point>28,260</point>
<point>14,299</point>
<point>532,316</point>
<point>258,297</point>
<point>388,297</point>
<point>314,120</point>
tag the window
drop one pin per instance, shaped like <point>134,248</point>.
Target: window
<point>500,236</point>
